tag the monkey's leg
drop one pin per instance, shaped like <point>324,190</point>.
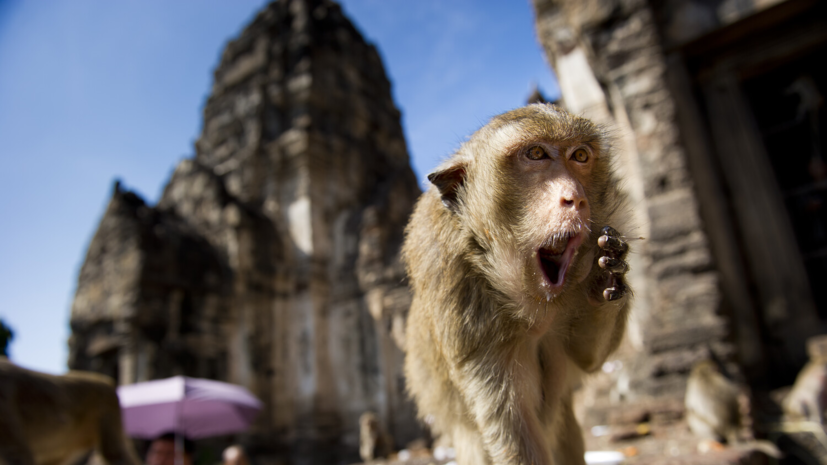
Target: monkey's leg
<point>567,442</point>
<point>503,392</point>
<point>468,446</point>
<point>598,327</point>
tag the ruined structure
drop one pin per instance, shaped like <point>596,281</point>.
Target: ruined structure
<point>718,109</point>
<point>271,259</point>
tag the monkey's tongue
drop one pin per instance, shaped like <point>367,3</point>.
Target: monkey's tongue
<point>555,261</point>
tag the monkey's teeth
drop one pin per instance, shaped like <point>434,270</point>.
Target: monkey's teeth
<point>557,247</point>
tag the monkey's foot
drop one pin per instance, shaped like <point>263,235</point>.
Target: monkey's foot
<point>609,283</point>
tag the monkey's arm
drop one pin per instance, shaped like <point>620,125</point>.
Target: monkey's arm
<point>503,393</point>
<point>602,306</point>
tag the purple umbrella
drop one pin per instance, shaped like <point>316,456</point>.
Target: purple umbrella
<point>195,408</point>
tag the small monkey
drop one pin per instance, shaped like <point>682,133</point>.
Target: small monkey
<point>808,397</point>
<point>715,409</point>
<point>712,408</point>
<point>52,420</point>
<point>374,441</point>
<point>518,281</point>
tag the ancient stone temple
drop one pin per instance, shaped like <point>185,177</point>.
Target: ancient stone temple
<point>271,259</point>
<point>718,110</point>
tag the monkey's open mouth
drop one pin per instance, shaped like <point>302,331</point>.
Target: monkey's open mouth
<point>555,258</point>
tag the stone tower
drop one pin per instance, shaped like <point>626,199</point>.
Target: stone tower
<point>272,257</point>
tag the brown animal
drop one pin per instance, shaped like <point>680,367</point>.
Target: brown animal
<point>518,286</point>
<point>712,406</point>
<point>57,420</point>
<point>374,441</point>
<point>808,398</point>
<point>717,410</point>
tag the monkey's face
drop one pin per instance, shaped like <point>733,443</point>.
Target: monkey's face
<point>550,181</point>
<point>526,188</point>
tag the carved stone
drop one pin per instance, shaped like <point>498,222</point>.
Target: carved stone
<point>272,257</point>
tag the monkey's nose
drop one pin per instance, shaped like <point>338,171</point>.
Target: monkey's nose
<point>573,200</point>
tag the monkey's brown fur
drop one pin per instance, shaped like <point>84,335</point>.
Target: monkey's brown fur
<point>55,420</point>
<point>497,338</point>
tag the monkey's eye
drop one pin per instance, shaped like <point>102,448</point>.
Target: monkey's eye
<point>536,153</point>
<point>580,155</point>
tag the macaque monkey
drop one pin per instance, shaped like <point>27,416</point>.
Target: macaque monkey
<point>715,406</point>
<point>808,397</point>
<point>517,274</point>
<point>712,408</point>
<point>55,420</point>
<point>374,441</point>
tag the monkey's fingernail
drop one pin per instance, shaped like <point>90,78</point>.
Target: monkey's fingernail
<point>612,264</point>
<point>608,242</point>
<point>605,262</point>
<point>612,293</point>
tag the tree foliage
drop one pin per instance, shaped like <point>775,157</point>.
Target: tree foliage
<point>6,335</point>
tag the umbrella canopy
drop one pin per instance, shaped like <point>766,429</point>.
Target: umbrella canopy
<point>196,408</point>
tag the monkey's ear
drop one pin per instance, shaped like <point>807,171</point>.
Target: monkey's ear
<point>448,181</point>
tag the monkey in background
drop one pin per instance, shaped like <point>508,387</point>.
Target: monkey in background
<point>54,420</point>
<point>517,275</point>
<point>716,409</point>
<point>374,441</point>
<point>808,397</point>
<point>712,407</point>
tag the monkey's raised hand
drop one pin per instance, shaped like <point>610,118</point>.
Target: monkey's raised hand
<point>612,262</point>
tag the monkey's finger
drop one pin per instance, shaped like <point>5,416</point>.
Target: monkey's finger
<point>614,265</point>
<point>612,293</point>
<point>613,244</point>
<point>615,288</point>
<point>602,280</point>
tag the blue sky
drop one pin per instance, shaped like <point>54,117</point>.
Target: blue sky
<point>94,90</point>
